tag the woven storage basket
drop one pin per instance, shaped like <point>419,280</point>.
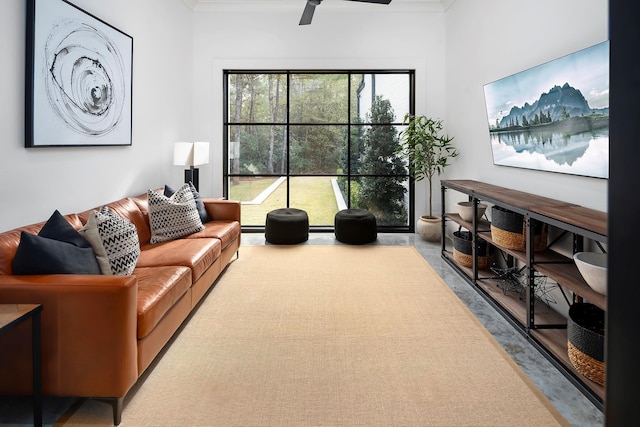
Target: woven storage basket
<point>462,246</point>
<point>585,333</point>
<point>508,229</point>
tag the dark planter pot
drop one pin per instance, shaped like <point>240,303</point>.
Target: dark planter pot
<point>585,334</point>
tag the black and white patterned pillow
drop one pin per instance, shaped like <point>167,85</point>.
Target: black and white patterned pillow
<point>202,211</point>
<point>91,233</point>
<point>119,239</point>
<point>173,217</point>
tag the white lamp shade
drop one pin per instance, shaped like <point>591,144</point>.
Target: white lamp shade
<point>200,153</point>
<point>190,153</point>
<point>182,154</point>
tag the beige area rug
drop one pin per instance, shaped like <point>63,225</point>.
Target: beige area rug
<point>330,336</point>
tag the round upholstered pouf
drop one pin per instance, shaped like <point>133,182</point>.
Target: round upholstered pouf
<point>356,226</point>
<point>287,226</point>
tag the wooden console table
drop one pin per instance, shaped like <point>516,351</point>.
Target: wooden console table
<point>544,327</point>
<point>12,315</point>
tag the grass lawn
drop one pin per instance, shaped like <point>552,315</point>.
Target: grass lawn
<point>248,190</point>
<point>312,194</point>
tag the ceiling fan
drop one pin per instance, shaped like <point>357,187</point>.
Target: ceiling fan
<point>310,7</point>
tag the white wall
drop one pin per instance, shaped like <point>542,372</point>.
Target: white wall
<point>490,39</point>
<point>36,181</point>
<point>179,56</point>
<point>343,35</point>
<point>450,51</point>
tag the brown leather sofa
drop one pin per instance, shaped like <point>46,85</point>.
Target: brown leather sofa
<point>100,332</point>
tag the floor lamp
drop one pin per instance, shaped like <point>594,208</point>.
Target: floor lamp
<point>191,154</point>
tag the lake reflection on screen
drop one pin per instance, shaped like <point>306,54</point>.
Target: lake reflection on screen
<point>584,153</point>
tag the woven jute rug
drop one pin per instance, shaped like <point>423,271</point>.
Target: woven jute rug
<point>330,336</point>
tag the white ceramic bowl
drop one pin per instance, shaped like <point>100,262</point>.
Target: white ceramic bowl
<point>593,267</point>
<point>465,210</point>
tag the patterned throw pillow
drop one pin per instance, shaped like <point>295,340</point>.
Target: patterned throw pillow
<point>91,233</point>
<point>119,238</point>
<point>173,217</point>
<point>202,211</point>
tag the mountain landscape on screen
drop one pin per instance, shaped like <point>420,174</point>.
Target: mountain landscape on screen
<point>558,104</point>
<point>553,117</point>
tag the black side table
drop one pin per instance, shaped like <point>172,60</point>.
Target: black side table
<point>12,315</point>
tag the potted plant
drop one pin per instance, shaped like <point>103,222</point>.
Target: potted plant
<point>428,153</point>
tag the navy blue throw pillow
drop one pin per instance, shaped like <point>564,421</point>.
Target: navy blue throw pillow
<point>58,228</point>
<point>57,249</point>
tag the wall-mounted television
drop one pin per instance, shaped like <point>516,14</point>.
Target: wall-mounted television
<point>554,117</point>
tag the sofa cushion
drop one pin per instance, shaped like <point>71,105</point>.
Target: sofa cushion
<point>142,202</point>
<point>173,217</point>
<point>57,249</point>
<point>197,254</point>
<point>118,238</point>
<point>202,211</point>
<point>159,288</point>
<point>225,230</point>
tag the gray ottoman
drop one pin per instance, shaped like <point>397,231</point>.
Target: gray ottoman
<point>287,226</point>
<point>355,226</point>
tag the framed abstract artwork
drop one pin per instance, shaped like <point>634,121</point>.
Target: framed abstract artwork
<point>79,78</point>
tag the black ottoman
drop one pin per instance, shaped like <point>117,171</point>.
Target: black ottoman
<point>356,226</point>
<point>287,226</point>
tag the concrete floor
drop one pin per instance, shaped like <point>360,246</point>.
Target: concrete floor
<point>572,404</point>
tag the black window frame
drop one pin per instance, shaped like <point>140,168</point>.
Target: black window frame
<point>409,227</point>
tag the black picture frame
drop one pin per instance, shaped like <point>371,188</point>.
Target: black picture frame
<point>79,78</point>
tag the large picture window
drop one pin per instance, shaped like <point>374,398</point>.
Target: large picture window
<point>321,141</point>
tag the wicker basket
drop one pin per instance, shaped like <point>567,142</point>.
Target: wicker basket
<point>585,333</point>
<point>508,229</point>
<point>462,248</point>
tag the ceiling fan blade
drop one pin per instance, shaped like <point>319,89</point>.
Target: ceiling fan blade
<point>374,1</point>
<point>310,7</point>
<point>307,15</point>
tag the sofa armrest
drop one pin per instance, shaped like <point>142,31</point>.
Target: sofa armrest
<point>222,209</point>
<point>89,343</point>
